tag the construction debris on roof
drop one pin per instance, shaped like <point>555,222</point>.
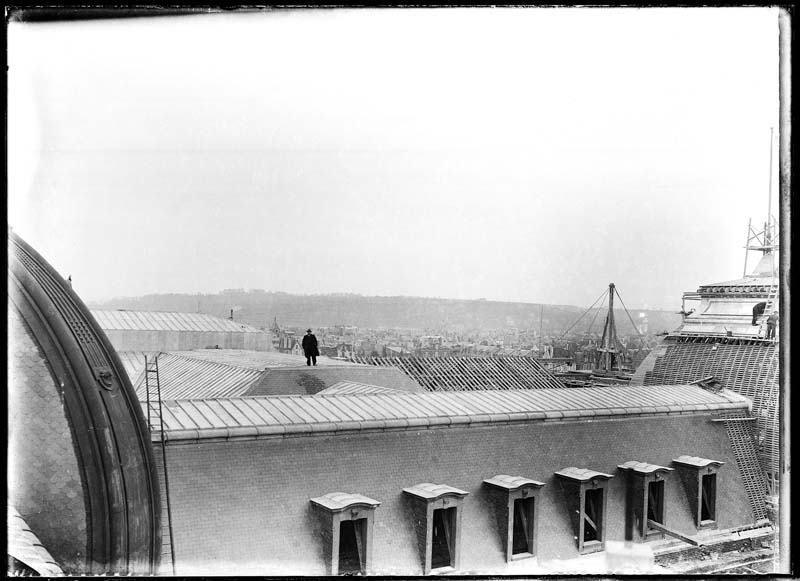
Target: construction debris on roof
<point>25,547</point>
<point>471,373</point>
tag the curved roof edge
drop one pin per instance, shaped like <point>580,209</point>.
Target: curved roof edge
<point>117,463</point>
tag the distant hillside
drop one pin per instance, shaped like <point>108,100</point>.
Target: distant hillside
<point>259,308</point>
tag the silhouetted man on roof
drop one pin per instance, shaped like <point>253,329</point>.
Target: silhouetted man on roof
<point>310,348</point>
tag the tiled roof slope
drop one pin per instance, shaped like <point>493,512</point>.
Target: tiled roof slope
<point>259,359</point>
<point>471,373</point>
<point>749,370</point>
<point>166,321</point>
<point>279,416</point>
<point>25,546</point>
<point>182,377</point>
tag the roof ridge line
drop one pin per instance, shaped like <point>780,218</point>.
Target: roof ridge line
<point>210,362</point>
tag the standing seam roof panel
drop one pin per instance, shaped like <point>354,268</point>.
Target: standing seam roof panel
<point>265,408</point>
<point>292,412</point>
<point>456,408</point>
<point>317,412</point>
<point>209,414</point>
<point>407,403</point>
<point>381,405</point>
<point>189,408</point>
<point>437,409</point>
<point>193,323</point>
<point>345,411</point>
<point>245,410</point>
<point>126,321</point>
<point>175,410</point>
<point>143,322</point>
<point>224,411</point>
<point>361,407</point>
<point>167,321</point>
<point>489,403</point>
<point>308,410</point>
<point>519,398</point>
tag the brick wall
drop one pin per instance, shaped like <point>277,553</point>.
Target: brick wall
<point>44,482</point>
<point>243,506</point>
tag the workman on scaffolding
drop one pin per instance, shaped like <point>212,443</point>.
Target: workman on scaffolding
<point>772,324</point>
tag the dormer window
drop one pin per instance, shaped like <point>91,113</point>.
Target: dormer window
<point>699,477</point>
<point>515,500</point>
<point>646,498</point>
<point>586,499</point>
<point>436,512</point>
<point>346,527</point>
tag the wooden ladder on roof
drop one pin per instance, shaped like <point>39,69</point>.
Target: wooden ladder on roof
<point>772,298</point>
<point>155,421</point>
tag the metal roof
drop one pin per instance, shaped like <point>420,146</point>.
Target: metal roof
<point>123,320</point>
<point>582,474</point>
<point>277,416</point>
<point>183,377</point>
<point>339,501</point>
<point>260,359</point>
<point>25,546</point>
<point>353,387</point>
<point>430,491</point>
<point>512,483</point>
<point>133,362</point>
<point>305,380</point>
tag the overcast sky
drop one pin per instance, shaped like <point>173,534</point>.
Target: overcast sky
<point>510,154</point>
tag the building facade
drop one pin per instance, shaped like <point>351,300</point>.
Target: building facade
<point>428,482</point>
